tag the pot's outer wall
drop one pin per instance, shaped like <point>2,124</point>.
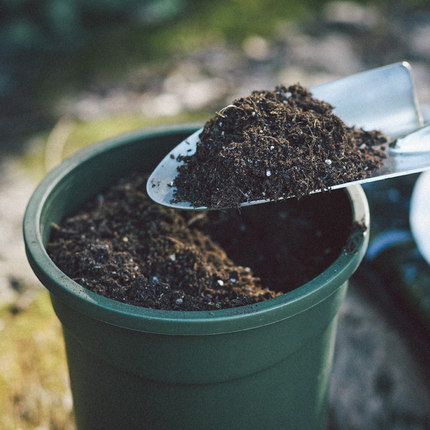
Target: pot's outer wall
<point>261,366</point>
<point>289,395</point>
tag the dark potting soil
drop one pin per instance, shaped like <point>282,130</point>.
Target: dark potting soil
<point>123,246</point>
<point>272,145</point>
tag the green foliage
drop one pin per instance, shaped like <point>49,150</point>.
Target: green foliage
<point>109,41</point>
<point>32,31</point>
<point>63,24</point>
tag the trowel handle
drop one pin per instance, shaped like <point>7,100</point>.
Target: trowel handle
<point>415,142</point>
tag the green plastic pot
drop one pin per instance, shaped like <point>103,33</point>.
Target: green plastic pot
<point>265,366</point>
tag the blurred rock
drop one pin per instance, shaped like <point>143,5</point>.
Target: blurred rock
<point>420,41</point>
<point>193,89</point>
<point>256,48</point>
<point>15,273</point>
<point>333,53</point>
<point>351,16</point>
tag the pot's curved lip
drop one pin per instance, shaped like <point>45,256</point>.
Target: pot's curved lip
<point>178,322</point>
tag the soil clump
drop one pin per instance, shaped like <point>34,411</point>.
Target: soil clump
<point>274,145</point>
<point>123,246</point>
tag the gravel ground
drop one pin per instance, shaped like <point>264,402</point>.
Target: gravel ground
<point>16,279</point>
<point>377,381</point>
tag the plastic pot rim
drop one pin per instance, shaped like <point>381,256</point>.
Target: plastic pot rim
<point>177,322</point>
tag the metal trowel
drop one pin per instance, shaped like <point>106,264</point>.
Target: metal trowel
<point>381,98</point>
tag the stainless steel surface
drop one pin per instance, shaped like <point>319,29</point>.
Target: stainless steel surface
<point>382,98</point>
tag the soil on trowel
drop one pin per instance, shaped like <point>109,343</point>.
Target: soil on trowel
<point>274,145</point>
<point>123,246</point>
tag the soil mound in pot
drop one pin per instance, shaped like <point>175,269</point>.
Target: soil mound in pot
<point>123,246</point>
<point>272,145</point>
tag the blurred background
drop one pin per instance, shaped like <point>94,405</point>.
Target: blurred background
<point>73,72</point>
